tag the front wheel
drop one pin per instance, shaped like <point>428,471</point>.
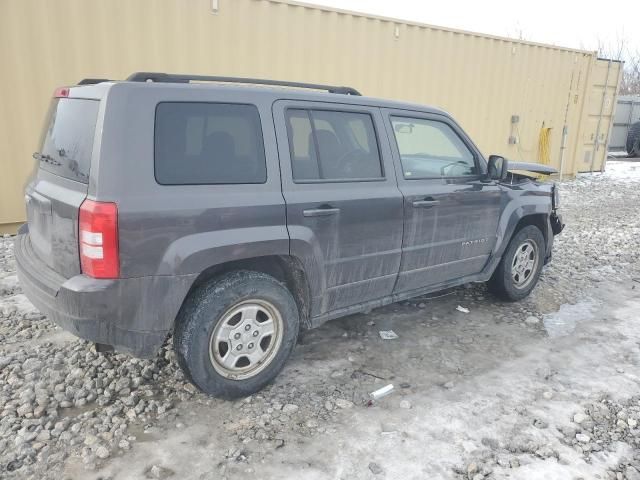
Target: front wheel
<point>519,270</point>
<point>234,334</point>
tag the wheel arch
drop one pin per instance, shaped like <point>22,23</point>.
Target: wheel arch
<point>521,211</point>
<point>284,268</point>
<point>539,220</point>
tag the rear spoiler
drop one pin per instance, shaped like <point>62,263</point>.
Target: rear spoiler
<point>531,167</point>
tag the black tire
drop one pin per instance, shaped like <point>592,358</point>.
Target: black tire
<point>633,140</point>
<point>502,283</point>
<point>207,306</point>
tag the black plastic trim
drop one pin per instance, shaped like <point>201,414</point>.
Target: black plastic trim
<point>92,81</point>
<point>178,78</point>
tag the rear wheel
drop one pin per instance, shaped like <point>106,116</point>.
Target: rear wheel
<point>519,270</point>
<point>234,334</point>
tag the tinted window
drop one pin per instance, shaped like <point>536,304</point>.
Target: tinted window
<point>208,143</point>
<point>430,148</point>
<point>328,145</point>
<point>304,161</point>
<point>67,140</point>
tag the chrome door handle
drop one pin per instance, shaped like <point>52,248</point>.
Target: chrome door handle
<point>320,212</point>
<point>425,203</point>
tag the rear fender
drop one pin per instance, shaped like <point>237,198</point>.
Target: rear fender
<point>197,252</point>
<point>305,246</point>
<point>194,254</point>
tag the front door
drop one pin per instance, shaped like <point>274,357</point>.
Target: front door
<point>344,209</point>
<point>451,212</point>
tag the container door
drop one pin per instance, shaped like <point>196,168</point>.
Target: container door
<point>599,111</point>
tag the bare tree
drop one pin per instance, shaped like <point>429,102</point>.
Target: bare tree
<point>620,50</point>
<point>631,76</point>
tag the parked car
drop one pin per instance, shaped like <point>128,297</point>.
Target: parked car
<point>236,215</point>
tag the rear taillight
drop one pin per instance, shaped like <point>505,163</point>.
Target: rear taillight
<point>61,92</point>
<point>98,239</point>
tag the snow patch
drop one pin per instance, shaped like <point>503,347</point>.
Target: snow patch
<point>626,170</point>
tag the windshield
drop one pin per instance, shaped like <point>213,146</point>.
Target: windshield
<point>67,141</point>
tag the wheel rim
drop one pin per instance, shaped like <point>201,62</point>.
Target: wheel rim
<point>246,339</point>
<point>525,264</point>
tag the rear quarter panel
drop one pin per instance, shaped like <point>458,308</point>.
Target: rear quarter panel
<point>182,230</point>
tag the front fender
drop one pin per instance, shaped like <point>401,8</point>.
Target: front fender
<point>520,205</point>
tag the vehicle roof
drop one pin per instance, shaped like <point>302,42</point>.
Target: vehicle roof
<point>99,90</point>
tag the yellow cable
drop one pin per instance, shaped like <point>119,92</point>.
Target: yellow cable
<point>544,146</point>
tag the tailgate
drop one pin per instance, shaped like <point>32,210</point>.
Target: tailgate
<point>54,196</point>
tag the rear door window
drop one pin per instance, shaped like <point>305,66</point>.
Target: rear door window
<point>330,145</point>
<point>208,143</point>
<point>67,140</point>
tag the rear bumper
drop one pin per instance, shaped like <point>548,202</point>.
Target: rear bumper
<point>133,315</point>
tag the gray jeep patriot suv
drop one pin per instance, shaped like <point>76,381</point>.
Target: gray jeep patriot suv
<point>235,215</point>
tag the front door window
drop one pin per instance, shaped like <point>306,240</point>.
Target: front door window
<point>431,149</point>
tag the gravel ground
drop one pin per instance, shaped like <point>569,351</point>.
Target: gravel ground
<point>545,388</point>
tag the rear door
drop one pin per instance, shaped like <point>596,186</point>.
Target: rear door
<point>344,209</point>
<point>61,181</point>
<point>451,212</point>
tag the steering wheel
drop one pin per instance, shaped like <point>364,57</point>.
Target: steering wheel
<point>457,163</point>
<point>344,162</point>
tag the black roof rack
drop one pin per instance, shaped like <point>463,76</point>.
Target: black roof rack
<point>170,78</point>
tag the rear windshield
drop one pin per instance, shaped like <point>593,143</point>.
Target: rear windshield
<point>67,140</point>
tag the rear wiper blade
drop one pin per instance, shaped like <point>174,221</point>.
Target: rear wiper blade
<point>45,158</point>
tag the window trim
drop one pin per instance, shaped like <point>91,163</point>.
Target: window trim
<point>309,110</point>
<point>260,131</point>
<point>454,130</point>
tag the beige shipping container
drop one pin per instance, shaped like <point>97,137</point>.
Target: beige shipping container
<point>513,97</point>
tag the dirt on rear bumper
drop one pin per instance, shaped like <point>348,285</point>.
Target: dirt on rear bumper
<point>133,315</point>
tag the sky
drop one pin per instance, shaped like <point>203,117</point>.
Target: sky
<point>567,23</point>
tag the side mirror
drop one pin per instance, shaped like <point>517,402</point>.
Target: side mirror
<point>497,168</point>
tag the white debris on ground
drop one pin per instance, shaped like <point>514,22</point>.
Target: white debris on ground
<point>547,388</point>
<point>388,335</point>
<point>382,392</point>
